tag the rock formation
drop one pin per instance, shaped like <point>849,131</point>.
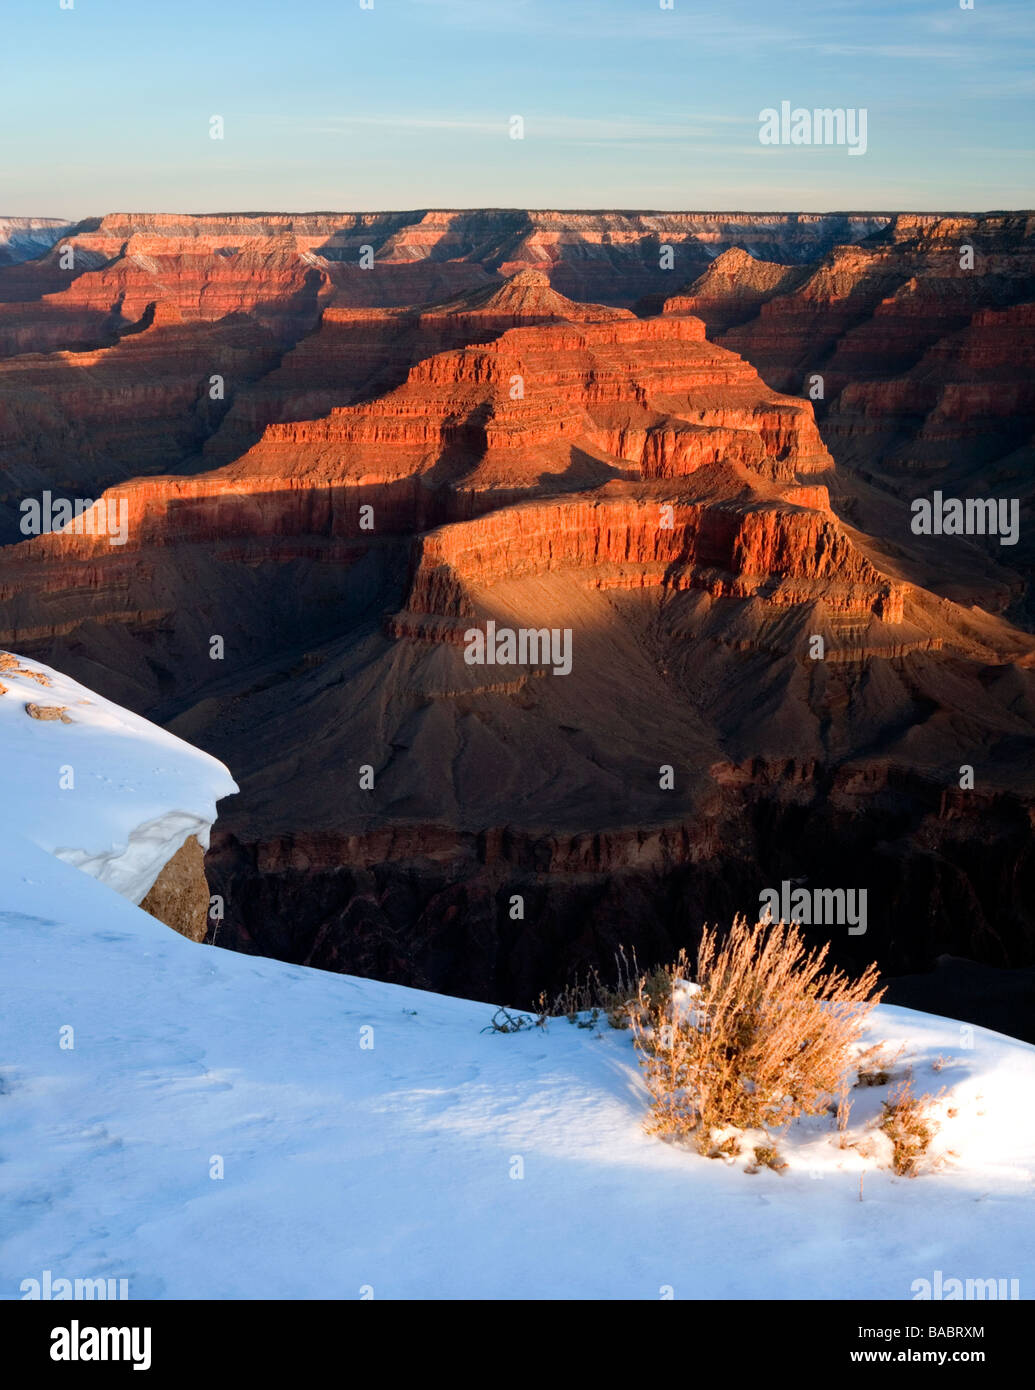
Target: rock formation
<point>179,896</point>
<point>921,339</point>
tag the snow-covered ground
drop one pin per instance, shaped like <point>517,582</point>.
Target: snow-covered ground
<point>372,1137</point>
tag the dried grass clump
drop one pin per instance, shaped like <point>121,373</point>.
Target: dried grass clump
<point>765,1034</point>
<point>765,1156</point>
<point>875,1065</point>
<point>910,1125</point>
<point>592,996</point>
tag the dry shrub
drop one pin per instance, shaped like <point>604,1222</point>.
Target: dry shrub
<point>910,1126</point>
<point>875,1065</point>
<point>592,996</point>
<point>766,1034</point>
<point>843,1112</point>
<point>503,1021</point>
<point>766,1156</point>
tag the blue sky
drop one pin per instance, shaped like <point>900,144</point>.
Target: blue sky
<point>106,107</point>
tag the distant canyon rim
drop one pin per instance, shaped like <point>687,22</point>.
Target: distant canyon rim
<point>695,441</point>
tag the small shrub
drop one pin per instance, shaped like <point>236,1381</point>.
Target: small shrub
<point>503,1021</point>
<point>873,1078</point>
<point>591,996</point>
<point>766,1156</point>
<point>874,1066</point>
<point>766,1034</point>
<point>618,1013</point>
<point>725,1144</point>
<point>842,1113</point>
<point>656,987</point>
<point>908,1123</point>
<point>577,998</point>
<point>618,1001</point>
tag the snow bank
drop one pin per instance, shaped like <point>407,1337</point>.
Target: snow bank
<point>100,788</point>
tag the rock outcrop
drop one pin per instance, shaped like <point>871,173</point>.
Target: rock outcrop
<point>179,896</point>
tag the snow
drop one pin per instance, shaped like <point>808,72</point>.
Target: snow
<point>443,1161</point>
<point>23,238</point>
<point>108,792</point>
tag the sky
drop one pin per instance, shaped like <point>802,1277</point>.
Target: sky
<point>326,105</point>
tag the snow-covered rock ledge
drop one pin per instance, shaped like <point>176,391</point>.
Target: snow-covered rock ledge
<point>100,788</point>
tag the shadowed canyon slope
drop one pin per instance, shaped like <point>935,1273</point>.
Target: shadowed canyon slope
<point>340,472</point>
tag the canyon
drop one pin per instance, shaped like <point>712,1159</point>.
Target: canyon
<point>607,423</point>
